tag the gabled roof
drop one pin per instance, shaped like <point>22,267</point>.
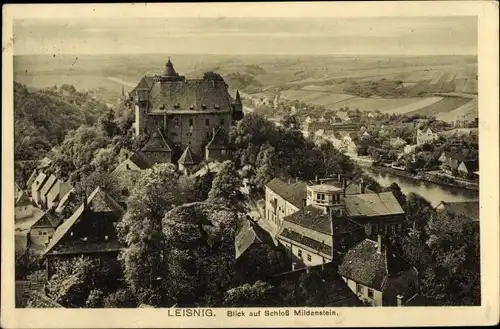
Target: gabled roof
<point>23,200</point>
<point>48,219</point>
<point>245,238</point>
<point>54,191</point>
<point>374,204</point>
<point>32,178</point>
<point>341,115</point>
<point>454,155</point>
<point>312,218</point>
<point>468,209</point>
<point>471,165</point>
<point>316,245</point>
<point>40,179</point>
<point>64,200</point>
<point>219,139</point>
<point>295,192</point>
<point>98,201</point>
<point>44,163</point>
<point>364,264</point>
<point>157,143</point>
<point>48,185</point>
<point>140,160</point>
<point>187,157</point>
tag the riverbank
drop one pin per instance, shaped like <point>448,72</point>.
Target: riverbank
<point>439,180</point>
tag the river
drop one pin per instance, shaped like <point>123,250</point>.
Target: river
<point>434,193</point>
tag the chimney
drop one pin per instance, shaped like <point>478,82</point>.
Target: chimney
<point>379,243</point>
<point>400,300</point>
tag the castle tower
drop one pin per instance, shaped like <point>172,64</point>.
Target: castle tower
<point>169,69</point>
<point>237,107</point>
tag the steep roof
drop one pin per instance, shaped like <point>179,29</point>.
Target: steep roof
<point>98,201</point>
<point>189,96</point>
<point>374,204</point>
<point>145,83</point>
<point>187,157</point>
<point>23,200</point>
<point>295,192</point>
<point>311,218</point>
<point>48,185</point>
<point>468,209</point>
<point>32,178</point>
<point>245,238</point>
<point>238,98</point>
<point>140,160</point>
<point>471,165</point>
<point>64,199</point>
<point>219,139</point>
<point>40,179</point>
<point>157,143</point>
<point>54,191</point>
<point>48,219</point>
<point>365,265</point>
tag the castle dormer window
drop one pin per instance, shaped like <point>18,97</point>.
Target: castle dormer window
<point>203,106</point>
<point>162,107</point>
<point>217,106</point>
<point>191,107</point>
<point>176,105</point>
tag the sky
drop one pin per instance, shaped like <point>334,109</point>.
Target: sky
<point>248,35</point>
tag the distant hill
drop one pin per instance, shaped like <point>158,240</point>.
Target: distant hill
<point>43,117</point>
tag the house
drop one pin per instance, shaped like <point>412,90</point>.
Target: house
<point>31,179</point>
<point>469,209</point>
<point>366,134</point>
<point>370,115</point>
<point>283,199</point>
<point>127,172</point>
<point>218,148</point>
<point>343,116</point>
<point>379,213</point>
<point>44,163</point>
<point>451,160</point>
<point>187,161</point>
<point>158,149</point>
<point>23,207</point>
<point>89,231</point>
<point>352,148</point>
<point>336,140</point>
<point>468,167</point>
<point>65,200</point>
<point>245,239</point>
<point>377,275</point>
<point>57,193</point>
<point>43,229</point>
<point>37,186</point>
<point>409,148</point>
<point>17,191</point>
<point>45,190</point>
<point>397,142</point>
<point>426,136</point>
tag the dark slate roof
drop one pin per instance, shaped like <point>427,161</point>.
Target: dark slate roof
<point>187,157</point>
<point>48,219</point>
<point>48,185</point>
<point>189,96</point>
<point>374,204</point>
<point>295,192</point>
<point>145,83</point>
<point>82,247</point>
<point>238,98</point>
<point>23,200</point>
<point>468,209</point>
<point>141,160</point>
<point>365,265</point>
<point>245,238</point>
<point>157,143</point>
<point>219,139</point>
<point>471,165</point>
<point>98,201</point>
<point>311,218</point>
<point>306,241</point>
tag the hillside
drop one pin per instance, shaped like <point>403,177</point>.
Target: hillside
<point>43,117</point>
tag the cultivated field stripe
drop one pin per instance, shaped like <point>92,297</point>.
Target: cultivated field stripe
<point>415,106</point>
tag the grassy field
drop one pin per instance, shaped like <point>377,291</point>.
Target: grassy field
<point>318,80</point>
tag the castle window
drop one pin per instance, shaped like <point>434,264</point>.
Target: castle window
<point>190,122</point>
<point>299,253</point>
<point>222,121</point>
<point>203,106</point>
<point>177,122</point>
<point>217,106</point>
<point>127,166</point>
<point>176,105</point>
<point>309,258</point>
<point>207,122</point>
<point>370,293</point>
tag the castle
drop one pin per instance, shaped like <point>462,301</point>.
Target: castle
<point>187,118</point>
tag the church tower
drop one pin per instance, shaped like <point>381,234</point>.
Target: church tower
<point>237,107</point>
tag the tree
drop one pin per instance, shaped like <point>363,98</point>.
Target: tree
<point>107,123</point>
<point>262,262</point>
<point>259,294</point>
<point>418,211</point>
<point>398,194</point>
<point>156,192</point>
<point>266,165</point>
<point>122,298</point>
<point>105,159</point>
<point>199,250</point>
<point>226,185</point>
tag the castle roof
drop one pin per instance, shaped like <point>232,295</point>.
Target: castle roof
<point>238,98</point>
<point>187,157</point>
<point>157,143</point>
